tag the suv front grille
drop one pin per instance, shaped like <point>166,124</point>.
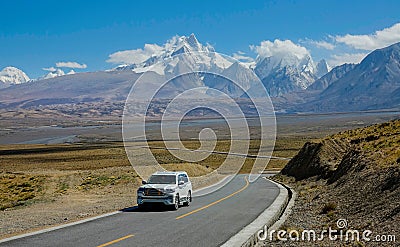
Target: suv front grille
<point>153,192</point>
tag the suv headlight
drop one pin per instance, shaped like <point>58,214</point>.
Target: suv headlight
<point>140,190</point>
<point>169,190</point>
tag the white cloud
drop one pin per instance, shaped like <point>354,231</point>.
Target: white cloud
<point>279,48</point>
<point>241,56</point>
<point>374,41</point>
<point>128,57</point>
<point>51,69</point>
<point>340,59</point>
<point>72,65</point>
<point>323,44</point>
<point>135,56</point>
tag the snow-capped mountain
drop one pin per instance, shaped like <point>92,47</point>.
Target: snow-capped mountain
<point>182,55</point>
<point>71,72</point>
<point>11,76</point>
<point>56,72</point>
<point>285,73</point>
<point>167,60</point>
<point>322,68</point>
<point>52,74</point>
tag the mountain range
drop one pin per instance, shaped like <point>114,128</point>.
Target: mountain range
<point>295,83</point>
<point>372,84</point>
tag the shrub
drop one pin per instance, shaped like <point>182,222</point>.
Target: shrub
<point>329,207</point>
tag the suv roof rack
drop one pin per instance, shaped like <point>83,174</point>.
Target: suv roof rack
<point>168,172</point>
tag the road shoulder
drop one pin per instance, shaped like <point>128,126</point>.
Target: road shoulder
<point>248,235</point>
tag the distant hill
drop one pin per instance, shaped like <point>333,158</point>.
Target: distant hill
<point>81,87</point>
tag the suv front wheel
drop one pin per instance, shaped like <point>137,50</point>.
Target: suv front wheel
<point>188,199</point>
<point>176,205</point>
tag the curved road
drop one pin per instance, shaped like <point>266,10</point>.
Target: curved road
<point>209,221</point>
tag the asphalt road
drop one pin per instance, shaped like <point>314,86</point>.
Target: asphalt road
<point>209,221</point>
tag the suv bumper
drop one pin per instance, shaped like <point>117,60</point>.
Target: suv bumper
<point>167,199</point>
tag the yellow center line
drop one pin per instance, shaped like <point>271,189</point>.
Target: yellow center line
<point>213,203</point>
<point>116,240</point>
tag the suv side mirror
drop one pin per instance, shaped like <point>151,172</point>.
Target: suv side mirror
<point>181,182</point>
<point>144,182</point>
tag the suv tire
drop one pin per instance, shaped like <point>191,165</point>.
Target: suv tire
<point>177,202</point>
<point>188,199</point>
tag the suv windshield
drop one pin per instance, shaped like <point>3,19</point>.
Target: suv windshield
<point>162,179</point>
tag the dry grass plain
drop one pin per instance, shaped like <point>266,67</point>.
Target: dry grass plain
<point>41,173</point>
<point>45,185</point>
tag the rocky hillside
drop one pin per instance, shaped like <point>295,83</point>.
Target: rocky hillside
<point>352,175</point>
<point>378,144</point>
<point>335,74</point>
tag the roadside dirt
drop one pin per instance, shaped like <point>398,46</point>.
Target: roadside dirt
<point>69,196</point>
<point>352,176</point>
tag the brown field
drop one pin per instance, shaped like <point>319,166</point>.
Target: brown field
<point>44,185</point>
<point>73,181</point>
<point>41,173</point>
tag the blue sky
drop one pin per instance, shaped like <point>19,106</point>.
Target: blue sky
<point>39,34</point>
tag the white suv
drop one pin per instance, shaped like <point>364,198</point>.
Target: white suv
<point>170,188</point>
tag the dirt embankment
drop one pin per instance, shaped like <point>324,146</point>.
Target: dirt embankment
<point>352,175</point>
